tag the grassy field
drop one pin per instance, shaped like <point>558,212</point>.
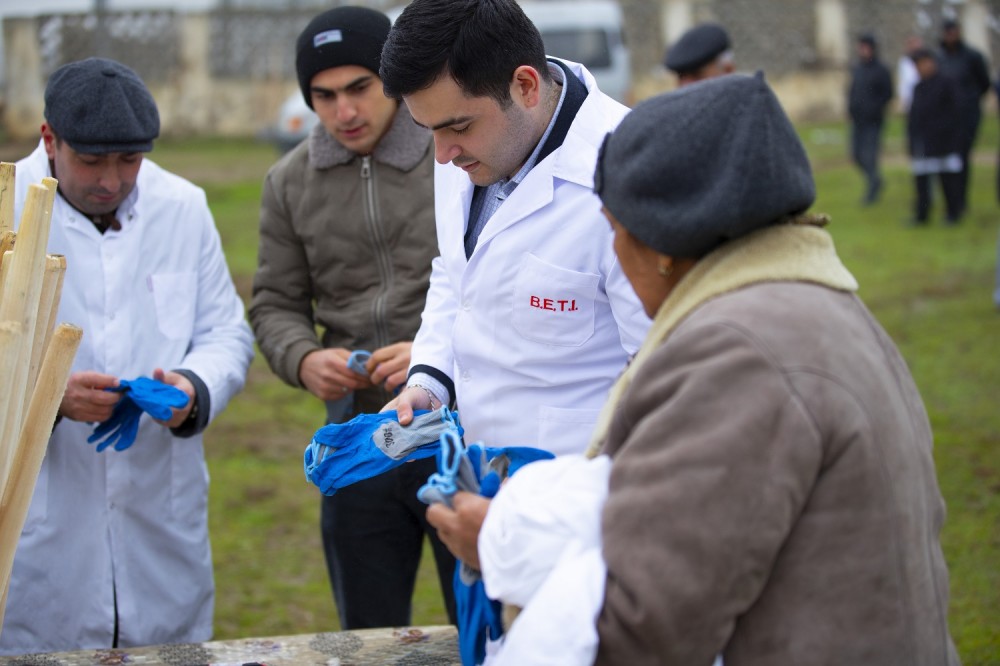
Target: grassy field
<point>931,288</point>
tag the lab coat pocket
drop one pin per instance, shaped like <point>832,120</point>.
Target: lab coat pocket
<point>175,296</point>
<point>562,430</point>
<point>554,305</point>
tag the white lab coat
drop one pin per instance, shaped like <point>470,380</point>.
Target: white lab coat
<point>129,525</point>
<point>536,325</point>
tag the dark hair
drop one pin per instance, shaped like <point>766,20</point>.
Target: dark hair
<point>923,53</point>
<point>478,42</point>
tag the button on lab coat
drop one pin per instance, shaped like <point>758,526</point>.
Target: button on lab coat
<point>129,526</point>
<point>534,327</point>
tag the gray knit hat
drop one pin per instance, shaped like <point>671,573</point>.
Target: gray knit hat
<point>337,37</point>
<point>100,106</point>
<point>686,171</point>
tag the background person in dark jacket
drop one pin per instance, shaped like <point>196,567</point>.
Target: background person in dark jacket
<point>935,137</point>
<point>869,94</point>
<point>968,68</point>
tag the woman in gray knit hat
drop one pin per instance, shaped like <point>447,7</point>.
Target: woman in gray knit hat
<point>773,496</point>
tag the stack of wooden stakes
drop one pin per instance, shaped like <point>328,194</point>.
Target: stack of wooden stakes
<point>35,360</point>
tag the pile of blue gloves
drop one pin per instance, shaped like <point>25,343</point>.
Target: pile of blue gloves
<point>475,469</point>
<point>138,395</point>
<point>371,444</point>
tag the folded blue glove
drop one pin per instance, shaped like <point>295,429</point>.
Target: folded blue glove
<point>475,469</point>
<point>479,618</point>
<point>371,444</point>
<point>139,395</point>
<point>356,361</point>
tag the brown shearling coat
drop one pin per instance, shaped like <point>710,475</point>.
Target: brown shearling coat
<point>773,496</point>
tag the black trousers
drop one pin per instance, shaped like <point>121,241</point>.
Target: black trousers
<point>866,141</point>
<point>373,536</point>
<point>951,186</point>
<point>968,128</point>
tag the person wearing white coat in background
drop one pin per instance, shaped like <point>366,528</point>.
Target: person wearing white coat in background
<point>529,318</point>
<point>115,551</point>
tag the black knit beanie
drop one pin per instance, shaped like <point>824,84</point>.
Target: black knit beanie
<point>687,171</point>
<point>340,36</point>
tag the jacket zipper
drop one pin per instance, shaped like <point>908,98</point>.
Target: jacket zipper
<point>373,219</point>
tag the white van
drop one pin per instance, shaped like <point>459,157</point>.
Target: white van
<point>589,32</point>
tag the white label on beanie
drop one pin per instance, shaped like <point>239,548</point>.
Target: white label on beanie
<point>327,37</point>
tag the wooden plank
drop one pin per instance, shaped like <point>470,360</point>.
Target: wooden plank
<point>32,444</point>
<point>7,170</point>
<point>22,287</point>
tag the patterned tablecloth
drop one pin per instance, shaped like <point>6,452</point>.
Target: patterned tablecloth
<point>410,646</point>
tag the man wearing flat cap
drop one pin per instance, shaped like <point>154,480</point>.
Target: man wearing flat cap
<point>114,551</point>
<point>347,238</point>
<point>703,52</point>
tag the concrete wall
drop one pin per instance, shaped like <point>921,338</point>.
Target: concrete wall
<point>190,99</point>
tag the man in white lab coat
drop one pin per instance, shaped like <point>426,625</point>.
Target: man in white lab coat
<point>115,552</point>
<point>529,318</point>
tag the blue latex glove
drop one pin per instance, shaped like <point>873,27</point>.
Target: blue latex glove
<point>356,361</point>
<point>475,469</point>
<point>139,395</point>
<point>120,429</point>
<point>371,444</point>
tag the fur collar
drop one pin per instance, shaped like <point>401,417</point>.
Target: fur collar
<point>799,251</point>
<point>402,147</point>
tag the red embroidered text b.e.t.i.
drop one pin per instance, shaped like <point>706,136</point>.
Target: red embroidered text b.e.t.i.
<point>554,305</point>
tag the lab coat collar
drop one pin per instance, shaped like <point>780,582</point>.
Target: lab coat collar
<point>574,160</point>
<point>126,214</point>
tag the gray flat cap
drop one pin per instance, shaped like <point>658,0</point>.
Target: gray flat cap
<point>707,163</point>
<point>697,47</point>
<point>100,106</point>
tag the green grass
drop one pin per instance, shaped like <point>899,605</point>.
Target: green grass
<point>930,287</point>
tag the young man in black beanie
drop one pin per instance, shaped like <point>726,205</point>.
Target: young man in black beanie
<point>346,242</point>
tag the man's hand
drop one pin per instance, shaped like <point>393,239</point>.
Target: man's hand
<point>85,398</point>
<point>388,365</point>
<point>458,528</point>
<point>325,374</point>
<point>183,383</point>
<point>407,401</point>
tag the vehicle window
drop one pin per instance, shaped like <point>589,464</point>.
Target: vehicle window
<point>589,47</point>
